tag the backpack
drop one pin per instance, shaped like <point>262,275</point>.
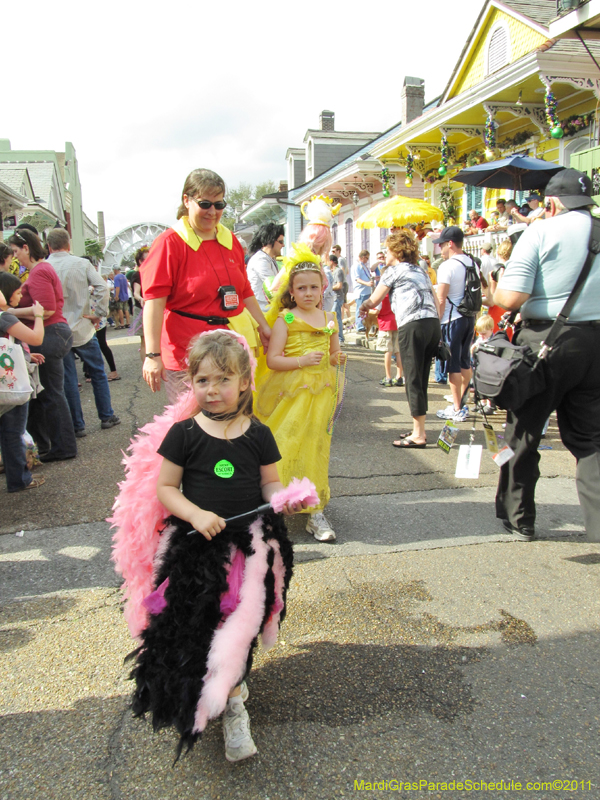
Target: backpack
<point>471,303</point>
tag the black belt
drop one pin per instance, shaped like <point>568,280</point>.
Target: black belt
<point>210,320</point>
<point>531,323</point>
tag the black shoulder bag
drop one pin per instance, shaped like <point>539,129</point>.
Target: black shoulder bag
<point>509,374</point>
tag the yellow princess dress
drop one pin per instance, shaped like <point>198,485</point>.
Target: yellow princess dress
<point>297,406</point>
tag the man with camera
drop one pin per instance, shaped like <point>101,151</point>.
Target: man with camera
<point>539,278</point>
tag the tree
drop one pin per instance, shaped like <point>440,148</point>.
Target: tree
<point>93,249</point>
<point>244,193</point>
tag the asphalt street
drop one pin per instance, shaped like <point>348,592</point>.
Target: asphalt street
<point>424,646</point>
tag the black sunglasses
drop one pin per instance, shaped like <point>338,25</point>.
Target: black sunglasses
<point>206,204</point>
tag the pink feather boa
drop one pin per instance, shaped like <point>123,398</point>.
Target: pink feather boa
<point>138,514</point>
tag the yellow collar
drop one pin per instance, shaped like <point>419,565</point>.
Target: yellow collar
<point>183,229</point>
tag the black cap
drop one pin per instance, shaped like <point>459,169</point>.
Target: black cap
<point>534,196</point>
<point>451,234</point>
<point>572,187</point>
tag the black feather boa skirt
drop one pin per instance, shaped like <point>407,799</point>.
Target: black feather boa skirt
<point>174,663</point>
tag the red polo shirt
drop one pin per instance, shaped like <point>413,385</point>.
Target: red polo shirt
<point>190,280</point>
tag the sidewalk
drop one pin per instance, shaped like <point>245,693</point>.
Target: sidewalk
<point>425,645</point>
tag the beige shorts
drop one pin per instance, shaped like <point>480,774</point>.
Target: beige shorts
<point>387,341</point>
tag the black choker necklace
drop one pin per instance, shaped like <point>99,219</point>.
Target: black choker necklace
<point>220,417</point>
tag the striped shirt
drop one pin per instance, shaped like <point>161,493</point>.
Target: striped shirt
<point>76,276</point>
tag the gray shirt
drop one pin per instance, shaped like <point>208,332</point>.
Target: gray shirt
<point>545,264</point>
<point>260,267</point>
<point>77,275</point>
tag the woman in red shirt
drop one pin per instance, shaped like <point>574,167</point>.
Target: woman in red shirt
<point>49,420</point>
<point>195,280</point>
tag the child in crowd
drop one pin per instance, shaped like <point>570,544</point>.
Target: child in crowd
<point>221,570</point>
<point>13,422</point>
<point>388,339</point>
<point>484,327</point>
<point>297,398</point>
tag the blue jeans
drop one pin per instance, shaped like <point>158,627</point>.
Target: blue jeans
<point>49,421</point>
<point>91,356</point>
<point>337,307</point>
<point>360,325</point>
<point>12,447</point>
<point>441,374</point>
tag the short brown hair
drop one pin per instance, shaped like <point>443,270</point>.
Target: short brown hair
<point>58,239</point>
<point>364,254</point>
<point>198,182</point>
<point>404,246</point>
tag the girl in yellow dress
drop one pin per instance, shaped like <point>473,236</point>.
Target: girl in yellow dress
<point>296,399</point>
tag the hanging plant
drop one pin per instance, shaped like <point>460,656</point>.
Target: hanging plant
<point>443,169</point>
<point>448,204</point>
<point>410,165</point>
<point>489,137</point>
<point>515,141</point>
<point>577,122</point>
<point>556,132</point>
<point>385,180</point>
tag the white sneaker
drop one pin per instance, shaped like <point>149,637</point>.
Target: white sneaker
<point>449,399</point>
<point>320,528</point>
<point>236,731</point>
<point>462,415</point>
<point>446,413</point>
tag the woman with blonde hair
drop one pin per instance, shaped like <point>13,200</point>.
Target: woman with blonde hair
<point>416,308</point>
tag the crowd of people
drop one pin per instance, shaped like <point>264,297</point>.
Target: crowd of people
<point>252,359</point>
<point>43,279</point>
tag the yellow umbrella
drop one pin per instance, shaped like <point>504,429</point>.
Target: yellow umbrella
<point>398,211</point>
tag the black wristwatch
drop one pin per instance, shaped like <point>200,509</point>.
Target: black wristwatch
<point>152,355</point>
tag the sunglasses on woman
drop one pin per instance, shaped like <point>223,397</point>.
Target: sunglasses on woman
<point>206,204</point>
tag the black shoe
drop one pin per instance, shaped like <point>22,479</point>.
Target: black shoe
<point>46,458</point>
<point>80,433</point>
<point>110,423</point>
<point>397,381</point>
<point>522,534</point>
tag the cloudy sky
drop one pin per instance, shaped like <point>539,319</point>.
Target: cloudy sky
<point>148,91</point>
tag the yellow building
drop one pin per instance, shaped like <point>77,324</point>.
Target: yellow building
<point>498,99</point>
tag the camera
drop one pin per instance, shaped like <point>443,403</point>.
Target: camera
<point>496,274</point>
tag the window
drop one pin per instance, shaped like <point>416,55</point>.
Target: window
<point>334,233</point>
<point>364,239</point>
<point>473,200</point>
<point>498,49</point>
<point>349,242</point>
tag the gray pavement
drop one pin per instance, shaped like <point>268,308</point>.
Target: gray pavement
<point>425,645</point>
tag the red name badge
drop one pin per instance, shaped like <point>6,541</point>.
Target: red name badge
<point>230,301</point>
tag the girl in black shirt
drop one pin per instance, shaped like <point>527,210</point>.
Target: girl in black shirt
<point>218,584</point>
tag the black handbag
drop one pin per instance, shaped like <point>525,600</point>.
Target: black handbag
<point>442,351</point>
<point>509,374</point>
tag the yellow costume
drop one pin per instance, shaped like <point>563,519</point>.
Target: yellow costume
<point>297,405</point>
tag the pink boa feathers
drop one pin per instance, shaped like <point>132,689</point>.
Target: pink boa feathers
<point>138,515</point>
<point>297,491</point>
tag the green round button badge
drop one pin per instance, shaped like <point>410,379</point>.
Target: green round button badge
<point>224,469</point>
